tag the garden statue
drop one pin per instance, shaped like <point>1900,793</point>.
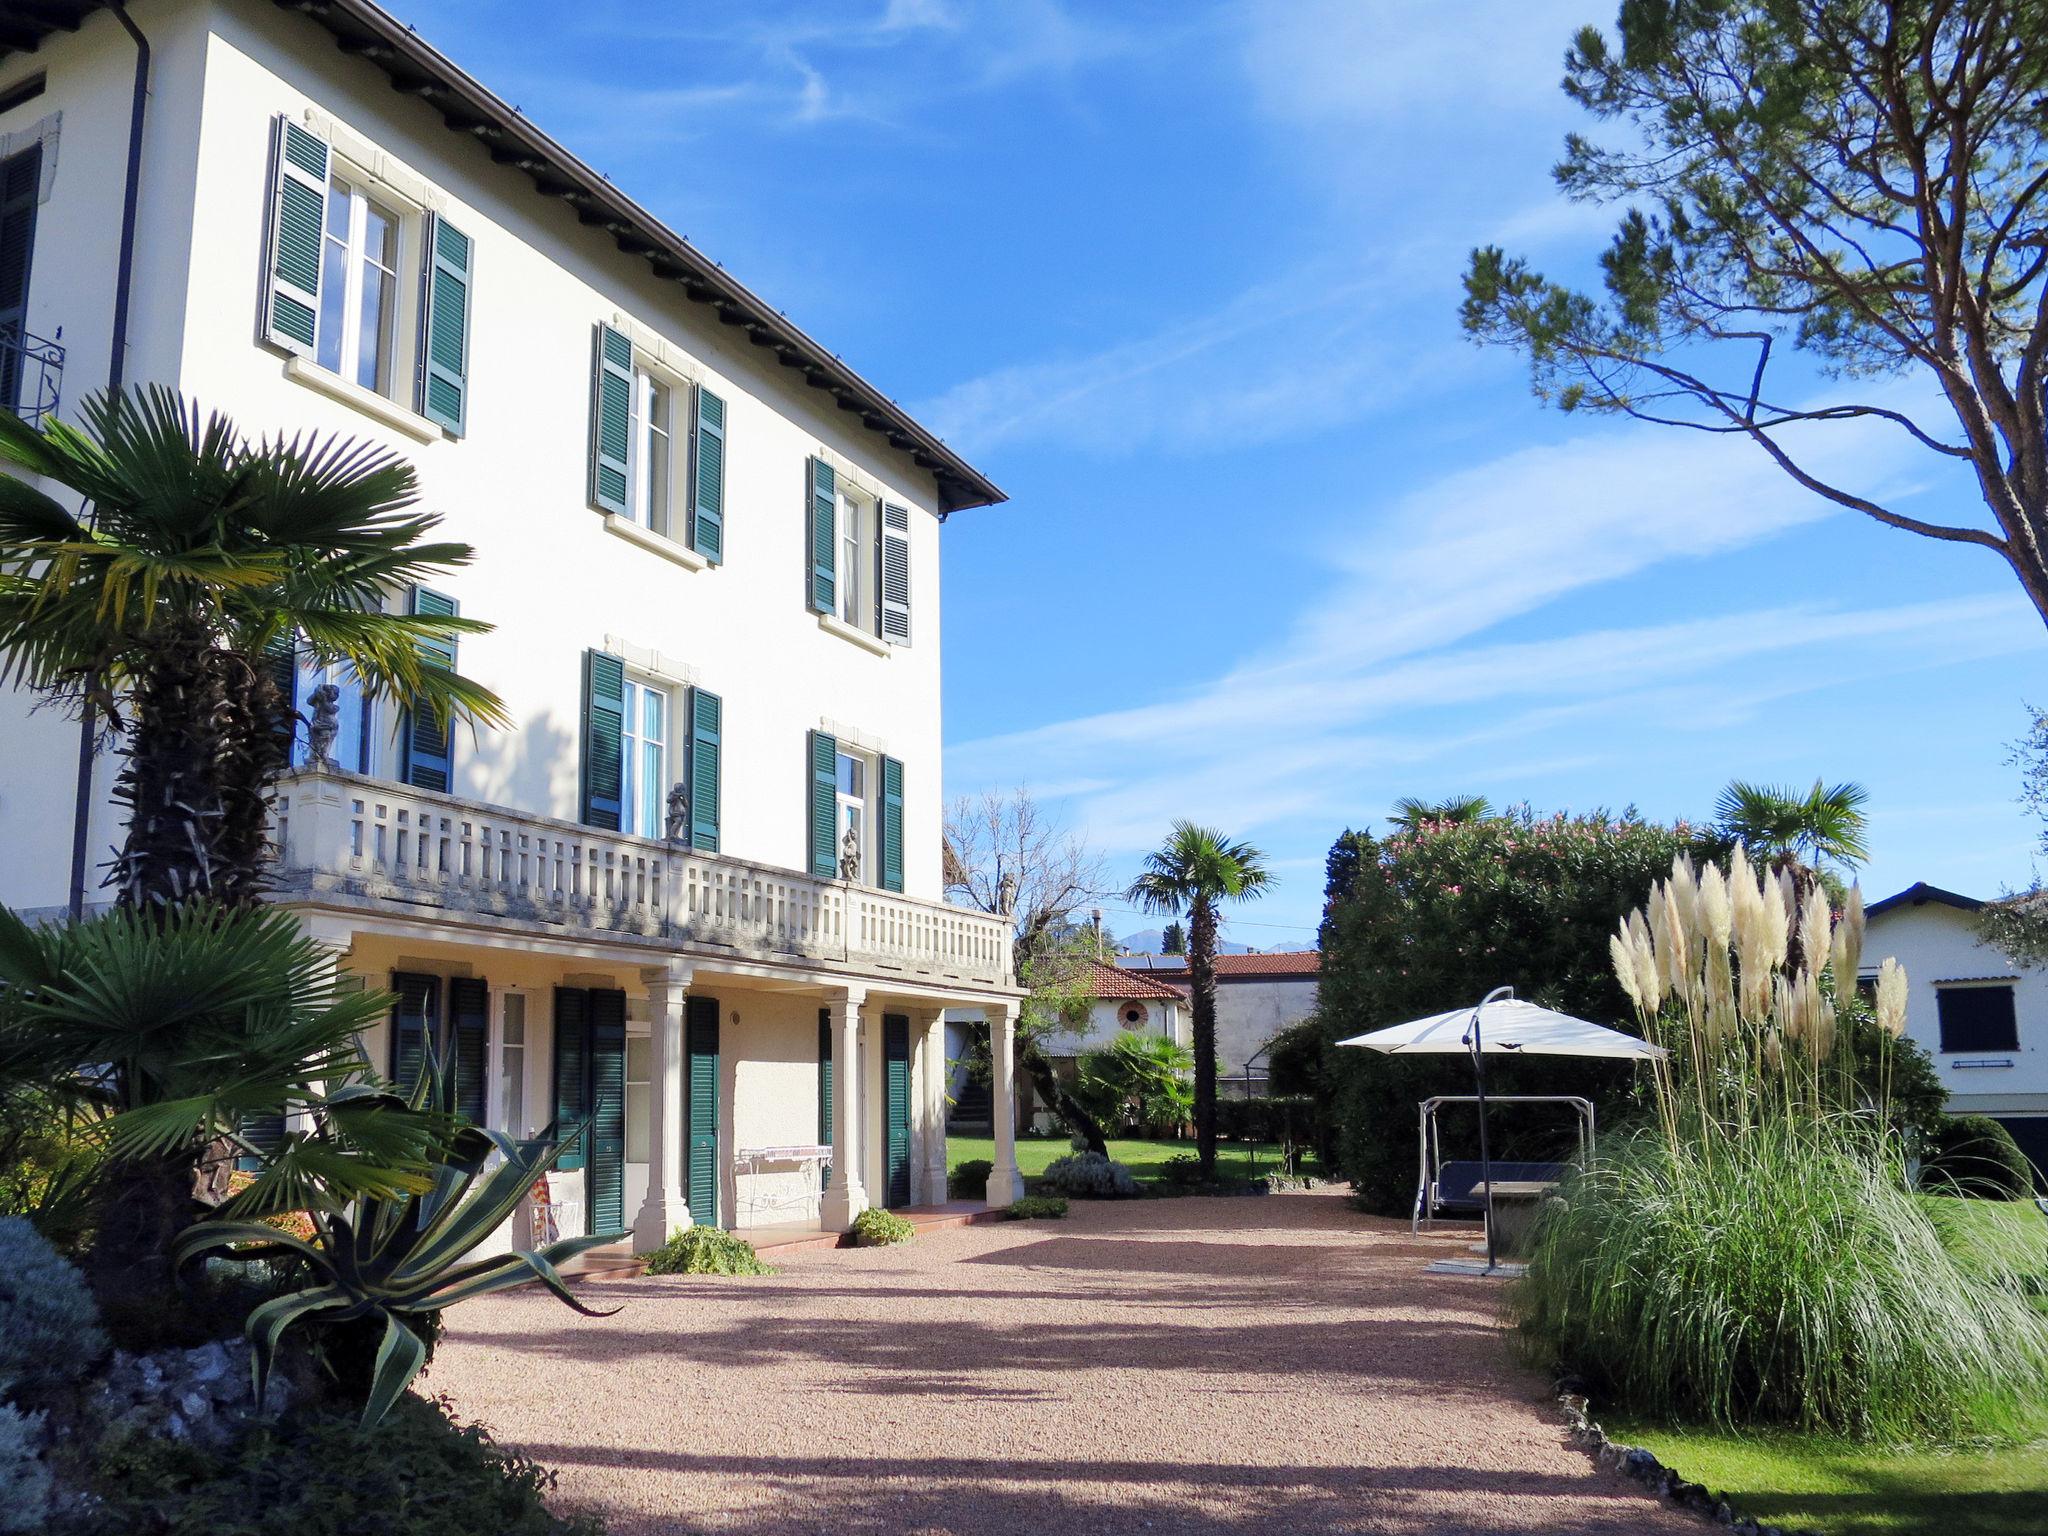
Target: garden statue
<point>325,702</point>
<point>849,854</point>
<point>678,825</point>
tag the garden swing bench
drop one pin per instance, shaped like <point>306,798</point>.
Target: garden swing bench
<point>1458,1185</point>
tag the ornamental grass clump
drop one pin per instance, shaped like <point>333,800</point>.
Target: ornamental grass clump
<point>1754,1254</point>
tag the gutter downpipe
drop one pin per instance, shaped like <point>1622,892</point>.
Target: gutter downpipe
<point>124,277</point>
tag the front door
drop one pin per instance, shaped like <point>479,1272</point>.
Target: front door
<point>700,1081</point>
<point>896,1109</point>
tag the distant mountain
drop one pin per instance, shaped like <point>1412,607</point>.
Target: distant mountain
<point>1149,942</point>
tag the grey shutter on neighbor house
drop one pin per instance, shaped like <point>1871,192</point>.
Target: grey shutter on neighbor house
<point>611,418</point>
<point>821,806</point>
<point>426,746</point>
<point>892,824</point>
<point>604,727</point>
<point>707,713</point>
<point>444,381</point>
<point>700,1033</point>
<point>707,491</point>
<point>821,518</point>
<point>298,212</point>
<point>892,594</point>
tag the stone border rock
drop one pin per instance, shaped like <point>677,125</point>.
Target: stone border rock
<point>1633,1461</point>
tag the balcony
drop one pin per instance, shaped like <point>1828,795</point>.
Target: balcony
<point>31,374</point>
<point>366,842</point>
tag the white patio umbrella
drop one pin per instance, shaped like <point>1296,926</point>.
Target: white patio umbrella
<point>1512,1027</point>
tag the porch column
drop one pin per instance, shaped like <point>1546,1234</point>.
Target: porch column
<point>847,1197</point>
<point>1005,1184</point>
<point>934,1065</point>
<point>665,1209</point>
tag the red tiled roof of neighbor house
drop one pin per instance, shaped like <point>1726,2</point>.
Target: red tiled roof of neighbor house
<point>1110,981</point>
<point>1307,962</point>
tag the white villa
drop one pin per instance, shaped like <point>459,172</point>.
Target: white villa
<point>696,892</point>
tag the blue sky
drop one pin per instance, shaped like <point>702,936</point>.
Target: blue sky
<point>1283,546</point>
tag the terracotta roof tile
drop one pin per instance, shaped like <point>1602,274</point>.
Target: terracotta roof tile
<point>1110,981</point>
<point>1306,962</point>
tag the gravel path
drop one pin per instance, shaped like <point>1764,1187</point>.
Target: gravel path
<point>1176,1366</point>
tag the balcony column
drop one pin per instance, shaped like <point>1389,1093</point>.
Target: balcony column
<point>665,1209</point>
<point>1005,1184</point>
<point>932,1066</point>
<point>848,1195</point>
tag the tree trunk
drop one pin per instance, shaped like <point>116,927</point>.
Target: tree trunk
<point>255,748</point>
<point>144,1203</point>
<point>1050,1089</point>
<point>1202,980</point>
<point>170,783</point>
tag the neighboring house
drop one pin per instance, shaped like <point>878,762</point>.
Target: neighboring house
<point>1258,996</point>
<point>695,892</point>
<point>1983,1018</point>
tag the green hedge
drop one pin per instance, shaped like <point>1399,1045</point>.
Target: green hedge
<point>1975,1155</point>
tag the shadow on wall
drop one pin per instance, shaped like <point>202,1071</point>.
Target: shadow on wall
<point>536,768</point>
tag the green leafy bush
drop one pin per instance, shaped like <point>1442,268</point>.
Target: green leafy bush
<point>877,1228</point>
<point>969,1180</point>
<point>1974,1155</point>
<point>1183,1168</point>
<point>1088,1176</point>
<point>415,1473</point>
<point>705,1251</point>
<point>1036,1208</point>
<point>1781,1276</point>
<point>50,1330</point>
<point>24,1476</point>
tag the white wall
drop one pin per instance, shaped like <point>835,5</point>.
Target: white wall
<point>547,573</point>
<point>1937,943</point>
<point>1106,1022</point>
<point>1251,1011</point>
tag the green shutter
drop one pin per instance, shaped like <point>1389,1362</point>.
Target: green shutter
<point>604,731</point>
<point>706,718</point>
<point>426,746</point>
<point>468,1048</point>
<point>611,418</point>
<point>825,1090</point>
<point>444,384</point>
<point>572,1073</point>
<point>607,1177</point>
<point>822,517</point>
<point>896,1108</point>
<point>823,804</point>
<point>892,824</point>
<point>298,214</point>
<point>700,1081</point>
<point>892,595</point>
<point>707,501</point>
<point>281,662</point>
<point>414,1017</point>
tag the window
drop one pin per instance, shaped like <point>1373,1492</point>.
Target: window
<point>1977,1018</point>
<point>652,473</point>
<point>639,1097</point>
<point>1134,1015</point>
<point>358,288</point>
<point>853,543</point>
<point>354,737</point>
<point>852,823</point>
<point>644,775</point>
<point>512,1064</point>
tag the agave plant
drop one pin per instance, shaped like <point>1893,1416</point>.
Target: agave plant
<point>402,1256</point>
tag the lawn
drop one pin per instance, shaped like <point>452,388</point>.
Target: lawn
<point>1848,1490</point>
<point>1145,1159</point>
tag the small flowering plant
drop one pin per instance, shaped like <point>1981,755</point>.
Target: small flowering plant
<point>1750,980</point>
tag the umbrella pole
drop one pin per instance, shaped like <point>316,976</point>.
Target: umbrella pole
<point>1479,1085</point>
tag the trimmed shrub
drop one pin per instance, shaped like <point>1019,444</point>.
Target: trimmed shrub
<point>417,1472</point>
<point>1088,1176</point>
<point>1783,1276</point>
<point>1975,1155</point>
<point>50,1330</point>
<point>1036,1208</point>
<point>969,1180</point>
<point>1181,1169</point>
<point>705,1251</point>
<point>877,1228</point>
<point>24,1477</point>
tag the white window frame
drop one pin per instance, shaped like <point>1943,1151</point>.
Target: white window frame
<point>632,789</point>
<point>408,220</point>
<point>497,1111</point>
<point>374,757</point>
<point>865,803</point>
<point>858,517</point>
<point>646,380</point>
<point>638,1107</point>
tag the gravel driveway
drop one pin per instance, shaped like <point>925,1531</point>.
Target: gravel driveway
<point>1177,1366</point>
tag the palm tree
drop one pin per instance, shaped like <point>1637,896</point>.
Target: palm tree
<point>1412,815</point>
<point>1196,870</point>
<point>1783,825</point>
<point>198,555</point>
